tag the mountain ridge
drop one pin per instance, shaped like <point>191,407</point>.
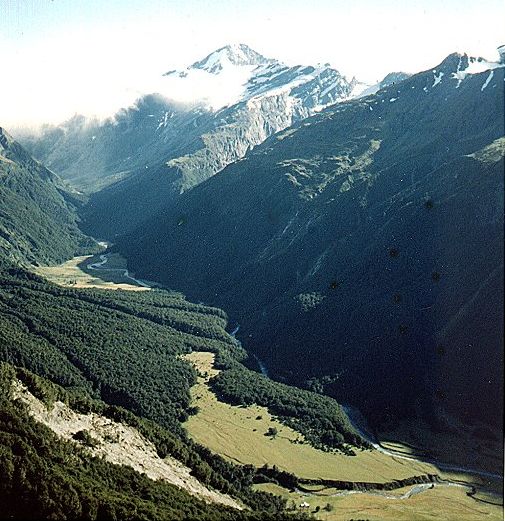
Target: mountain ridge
<point>157,150</point>
<point>349,183</point>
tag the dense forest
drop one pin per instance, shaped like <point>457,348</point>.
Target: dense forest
<point>125,348</point>
<point>44,477</point>
<point>118,353</point>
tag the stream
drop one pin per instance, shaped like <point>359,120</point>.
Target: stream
<point>98,266</point>
<point>262,367</point>
<point>354,416</point>
<point>416,489</point>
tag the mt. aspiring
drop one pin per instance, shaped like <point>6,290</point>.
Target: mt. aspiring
<point>239,55</point>
<point>237,73</point>
<point>148,154</point>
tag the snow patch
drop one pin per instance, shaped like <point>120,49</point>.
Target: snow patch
<point>360,90</point>
<point>164,120</point>
<point>437,79</point>
<point>475,66</point>
<point>489,78</point>
<point>332,86</point>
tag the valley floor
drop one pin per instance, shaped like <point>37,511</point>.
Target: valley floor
<point>442,502</point>
<point>93,271</point>
<point>240,435</point>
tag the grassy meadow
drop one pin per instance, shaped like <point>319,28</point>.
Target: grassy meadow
<point>75,273</point>
<point>441,503</point>
<point>238,433</point>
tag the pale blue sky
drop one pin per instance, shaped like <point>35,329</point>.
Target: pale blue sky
<point>64,56</point>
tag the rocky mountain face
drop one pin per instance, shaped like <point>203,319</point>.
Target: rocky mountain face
<point>361,248</point>
<point>38,219</point>
<point>361,89</point>
<point>150,153</point>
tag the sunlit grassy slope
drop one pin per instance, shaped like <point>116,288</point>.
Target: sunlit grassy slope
<point>238,433</point>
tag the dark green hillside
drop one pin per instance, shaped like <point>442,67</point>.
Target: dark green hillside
<point>121,347</point>
<point>43,477</point>
<point>38,220</point>
<point>361,250</point>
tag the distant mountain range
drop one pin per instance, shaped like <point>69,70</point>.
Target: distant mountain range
<point>152,152</point>
<point>360,249</point>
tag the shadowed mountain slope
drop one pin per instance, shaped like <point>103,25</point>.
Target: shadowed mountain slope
<point>361,249</point>
<point>38,219</point>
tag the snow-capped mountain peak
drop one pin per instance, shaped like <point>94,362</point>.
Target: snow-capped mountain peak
<point>235,55</point>
<point>237,73</point>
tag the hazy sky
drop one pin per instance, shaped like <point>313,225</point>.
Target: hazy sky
<point>59,57</point>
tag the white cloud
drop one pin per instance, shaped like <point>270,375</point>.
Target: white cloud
<point>95,67</point>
